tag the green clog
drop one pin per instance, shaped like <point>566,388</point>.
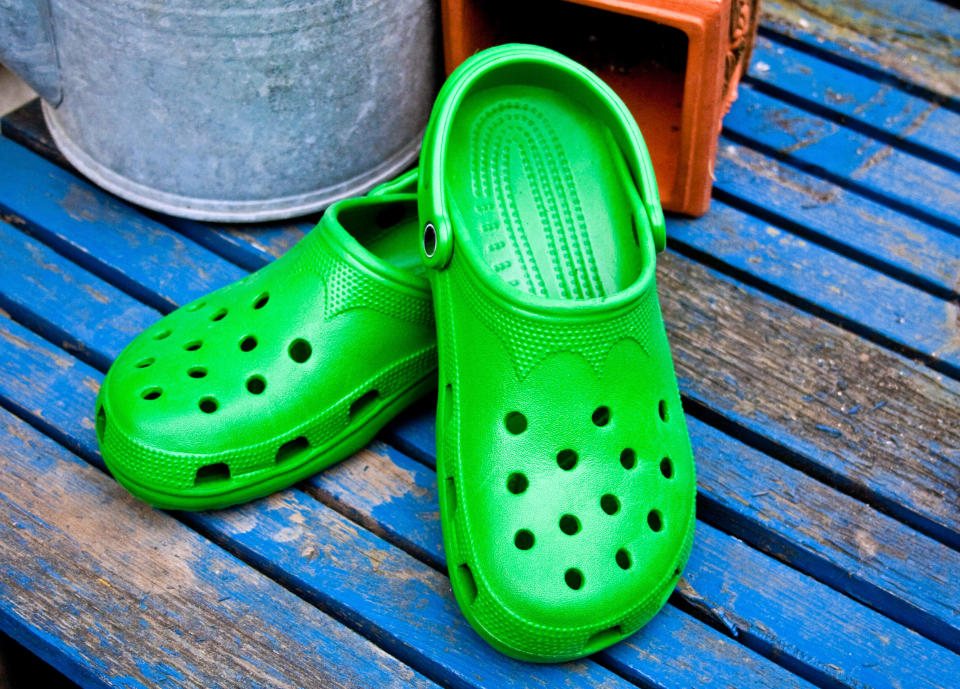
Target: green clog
<point>565,470</point>
<point>268,380</point>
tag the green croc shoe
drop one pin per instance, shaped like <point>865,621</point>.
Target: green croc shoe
<point>268,380</point>
<point>565,470</point>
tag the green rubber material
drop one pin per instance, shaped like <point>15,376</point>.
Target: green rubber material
<point>266,381</point>
<point>565,472</point>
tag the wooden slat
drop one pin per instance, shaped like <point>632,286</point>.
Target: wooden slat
<point>110,238</point>
<point>913,474</point>
<point>903,247</point>
<point>880,110</point>
<point>816,529</point>
<point>812,527</point>
<point>39,287</point>
<point>103,350</point>
<point>691,650</point>
<point>876,579</point>
<point>250,247</point>
<point>823,281</point>
<point>814,630</point>
<point>854,414</point>
<point>834,537</point>
<point>821,431</point>
<point>909,41</point>
<point>920,253</point>
<point>846,157</point>
<point>116,594</point>
<point>390,611</point>
<point>403,604</point>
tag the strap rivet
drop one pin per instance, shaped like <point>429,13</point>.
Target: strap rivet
<point>429,240</point>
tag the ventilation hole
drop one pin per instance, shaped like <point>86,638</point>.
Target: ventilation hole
<point>654,520</point>
<point>523,539</point>
<point>467,584</point>
<point>261,301</point>
<point>193,346</point>
<point>601,416</point>
<point>208,405</point>
<point>662,408</point>
<point>574,578</point>
<point>569,524</point>
<point>666,467</point>
<point>628,458</point>
<point>197,372</point>
<point>623,559</point>
<point>300,350</point>
<point>602,639</point>
<point>517,483</point>
<point>566,459</point>
<point>447,404</point>
<point>676,572</point>
<point>101,424</point>
<point>248,343</point>
<point>451,495</point>
<point>256,385</point>
<point>364,404</point>
<point>151,393</point>
<point>146,362</point>
<point>212,473</point>
<point>292,448</point>
<point>610,504</point>
<point>162,335</point>
<point>516,422</point>
<point>196,306</point>
<point>219,315</point>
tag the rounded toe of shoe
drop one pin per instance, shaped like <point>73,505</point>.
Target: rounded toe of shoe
<point>566,590</point>
<point>166,417</point>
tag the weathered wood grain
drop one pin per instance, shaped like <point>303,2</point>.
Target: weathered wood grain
<point>389,596</point>
<point>911,480</point>
<point>409,607</point>
<point>914,480</point>
<point>900,246</point>
<point>249,246</point>
<point>661,657</point>
<point>846,157</point>
<point>833,537</point>
<point>912,41</point>
<point>815,631</point>
<point>881,110</point>
<point>824,282</point>
<point>120,595</point>
<point>386,485</point>
<point>819,429</point>
<point>111,239</point>
<point>861,417</point>
<point>765,522</point>
<point>64,302</point>
<point>905,477</point>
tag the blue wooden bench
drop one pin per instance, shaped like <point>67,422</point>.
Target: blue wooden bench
<point>815,327</point>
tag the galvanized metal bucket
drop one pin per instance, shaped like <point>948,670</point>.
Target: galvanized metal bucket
<point>230,110</point>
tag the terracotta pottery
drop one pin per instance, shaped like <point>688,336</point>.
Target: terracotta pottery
<point>676,63</point>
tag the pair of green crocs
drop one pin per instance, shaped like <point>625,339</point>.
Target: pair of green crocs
<point>526,254</point>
